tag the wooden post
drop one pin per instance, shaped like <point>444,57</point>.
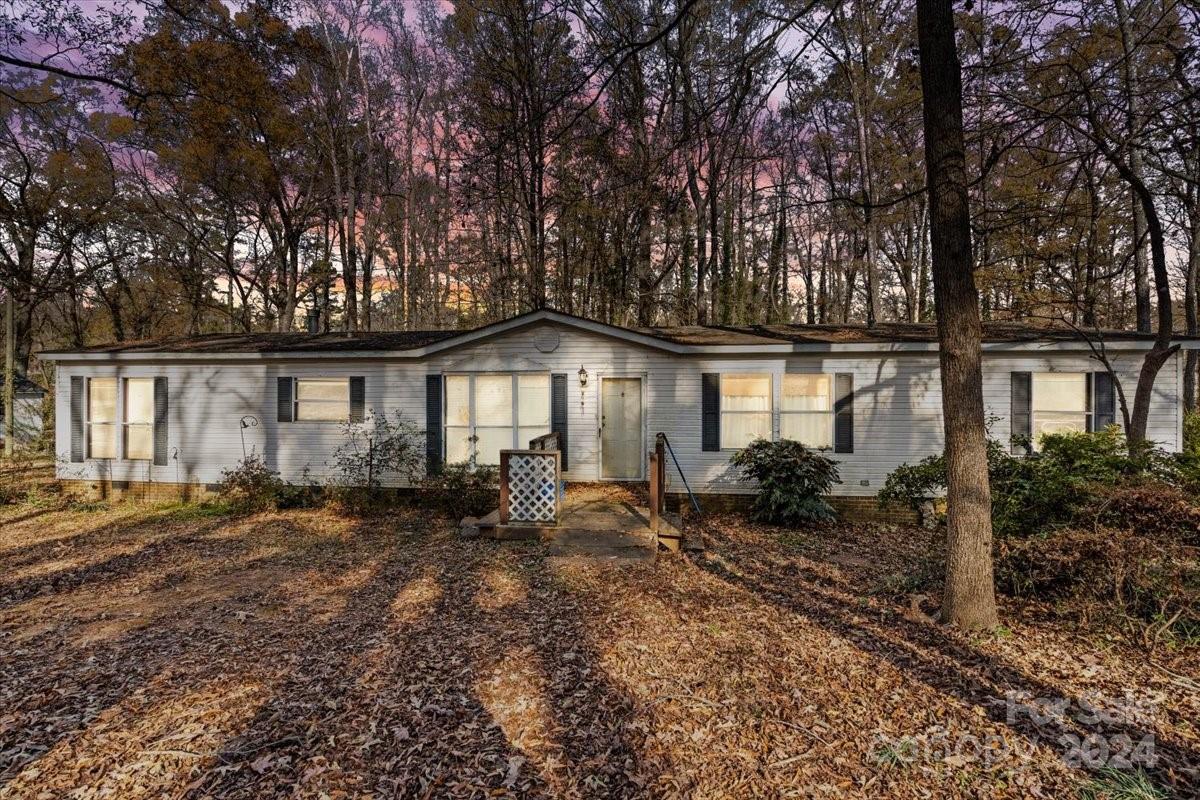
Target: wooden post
<point>655,489</point>
<point>660,451</point>
<point>503,487</point>
<point>10,373</point>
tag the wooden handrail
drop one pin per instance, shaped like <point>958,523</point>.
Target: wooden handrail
<point>547,441</point>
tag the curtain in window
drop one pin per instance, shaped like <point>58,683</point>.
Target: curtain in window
<point>322,399</point>
<point>139,418</point>
<point>102,418</point>
<point>806,411</point>
<point>458,419</point>
<point>1059,402</point>
<point>493,417</point>
<point>745,409</point>
<point>533,408</point>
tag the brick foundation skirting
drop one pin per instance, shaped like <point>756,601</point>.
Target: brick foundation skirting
<point>140,491</point>
<point>849,508</point>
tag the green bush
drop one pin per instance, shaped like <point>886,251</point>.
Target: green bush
<point>792,481</point>
<point>251,486</point>
<point>463,491</point>
<point>1050,487</point>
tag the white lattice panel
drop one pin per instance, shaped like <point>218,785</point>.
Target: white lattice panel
<point>532,488</point>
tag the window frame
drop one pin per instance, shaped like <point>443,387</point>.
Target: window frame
<point>830,414</point>
<point>125,424</point>
<point>769,412</point>
<point>472,416</point>
<point>297,380</point>
<point>1088,402</point>
<point>114,424</point>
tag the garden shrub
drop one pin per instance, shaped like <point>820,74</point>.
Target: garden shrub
<point>792,481</point>
<point>1045,489</point>
<point>1151,510</point>
<point>251,485</point>
<point>1088,525</point>
<point>1154,582</point>
<point>463,491</point>
<point>379,450</point>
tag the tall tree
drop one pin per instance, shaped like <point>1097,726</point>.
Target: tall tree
<point>970,600</point>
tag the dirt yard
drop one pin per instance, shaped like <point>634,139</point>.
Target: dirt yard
<point>178,652</point>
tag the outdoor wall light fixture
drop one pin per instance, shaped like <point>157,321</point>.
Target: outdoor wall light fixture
<point>582,376</point>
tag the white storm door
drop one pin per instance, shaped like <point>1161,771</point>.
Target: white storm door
<point>621,428</point>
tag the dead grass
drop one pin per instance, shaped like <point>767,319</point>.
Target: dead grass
<point>157,651</point>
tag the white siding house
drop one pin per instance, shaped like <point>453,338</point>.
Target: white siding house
<point>182,411</point>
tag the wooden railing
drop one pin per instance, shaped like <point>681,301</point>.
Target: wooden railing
<point>658,483</point>
<point>547,441</point>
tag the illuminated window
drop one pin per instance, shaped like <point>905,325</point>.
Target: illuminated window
<point>489,413</point>
<point>806,411</point>
<point>745,410</point>
<point>102,418</point>
<point>1060,402</point>
<point>322,399</point>
<point>139,418</point>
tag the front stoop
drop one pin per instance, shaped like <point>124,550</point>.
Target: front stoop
<point>607,531</point>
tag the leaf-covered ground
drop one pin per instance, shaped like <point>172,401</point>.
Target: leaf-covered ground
<point>170,652</point>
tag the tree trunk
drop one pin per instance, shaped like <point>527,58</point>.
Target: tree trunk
<point>1192,325</point>
<point>970,600</point>
<point>10,376</point>
<point>1129,69</point>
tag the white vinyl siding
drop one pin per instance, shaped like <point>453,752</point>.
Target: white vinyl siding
<point>102,418</point>
<point>897,408</point>
<point>322,399</point>
<point>139,419</point>
<point>745,409</point>
<point>806,410</point>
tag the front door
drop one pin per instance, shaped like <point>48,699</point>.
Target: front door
<point>621,428</point>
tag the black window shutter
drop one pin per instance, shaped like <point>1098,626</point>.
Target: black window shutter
<point>160,422</point>
<point>285,399</point>
<point>710,411</point>
<point>433,424</point>
<point>77,426</point>
<point>558,413</point>
<point>1104,401</point>
<point>1021,414</point>
<point>843,413</point>
<point>358,399</point>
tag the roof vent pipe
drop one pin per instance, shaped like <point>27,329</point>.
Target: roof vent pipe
<point>314,321</point>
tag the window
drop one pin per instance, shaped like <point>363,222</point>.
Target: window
<point>493,417</point>
<point>489,413</point>
<point>533,408</point>
<point>806,413</point>
<point>102,418</point>
<point>1060,402</point>
<point>745,410</point>
<point>139,418</point>
<point>322,399</point>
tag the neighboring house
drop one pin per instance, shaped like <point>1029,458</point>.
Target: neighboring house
<point>183,410</point>
<point>27,410</point>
